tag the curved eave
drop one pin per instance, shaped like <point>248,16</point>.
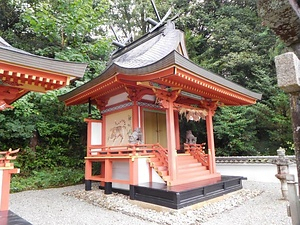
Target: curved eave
<point>19,95</point>
<point>23,59</point>
<point>107,87</point>
<point>205,89</point>
<point>174,59</point>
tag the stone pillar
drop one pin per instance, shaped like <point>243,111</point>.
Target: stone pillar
<point>288,77</point>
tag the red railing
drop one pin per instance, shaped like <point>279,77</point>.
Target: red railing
<point>131,150</point>
<point>126,150</point>
<point>161,154</point>
<point>197,150</point>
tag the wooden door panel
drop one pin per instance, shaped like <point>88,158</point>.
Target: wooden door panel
<point>162,129</point>
<point>155,128</point>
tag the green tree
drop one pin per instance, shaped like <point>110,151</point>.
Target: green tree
<point>49,134</point>
<point>129,16</point>
<point>67,30</point>
<point>227,37</point>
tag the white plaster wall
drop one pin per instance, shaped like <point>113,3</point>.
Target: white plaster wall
<point>117,99</point>
<point>143,172</point>
<point>120,171</point>
<point>253,172</point>
<point>96,133</point>
<point>149,97</point>
<point>156,177</point>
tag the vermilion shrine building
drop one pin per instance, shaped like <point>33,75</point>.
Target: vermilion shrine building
<point>141,94</point>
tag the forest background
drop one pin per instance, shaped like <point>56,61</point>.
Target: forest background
<point>224,36</point>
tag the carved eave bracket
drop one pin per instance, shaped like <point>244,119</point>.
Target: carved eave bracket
<point>165,98</point>
<point>101,103</point>
<point>211,105</point>
<point>134,94</point>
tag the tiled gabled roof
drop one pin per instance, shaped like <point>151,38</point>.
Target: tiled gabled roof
<point>19,57</point>
<point>154,52</point>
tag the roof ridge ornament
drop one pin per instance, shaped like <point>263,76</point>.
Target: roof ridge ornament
<point>118,42</point>
<point>160,21</point>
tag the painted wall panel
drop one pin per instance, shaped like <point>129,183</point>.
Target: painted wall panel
<point>118,128</point>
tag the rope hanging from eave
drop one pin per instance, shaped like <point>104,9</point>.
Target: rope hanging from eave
<point>193,114</point>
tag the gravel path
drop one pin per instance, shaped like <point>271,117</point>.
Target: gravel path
<point>257,203</point>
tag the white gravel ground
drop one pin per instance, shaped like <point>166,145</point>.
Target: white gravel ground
<point>257,203</point>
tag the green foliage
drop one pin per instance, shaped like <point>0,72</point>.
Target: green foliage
<point>67,30</point>
<point>227,37</point>
<point>46,178</point>
<point>128,17</point>
<point>235,127</point>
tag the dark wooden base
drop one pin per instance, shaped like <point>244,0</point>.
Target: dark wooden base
<point>10,218</point>
<point>180,196</point>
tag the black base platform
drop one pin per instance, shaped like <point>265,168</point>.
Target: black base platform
<point>180,196</point>
<point>10,218</point>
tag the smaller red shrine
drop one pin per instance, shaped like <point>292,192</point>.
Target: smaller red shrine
<point>22,72</point>
<point>141,94</point>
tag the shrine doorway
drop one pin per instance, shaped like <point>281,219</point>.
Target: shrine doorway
<point>155,128</point>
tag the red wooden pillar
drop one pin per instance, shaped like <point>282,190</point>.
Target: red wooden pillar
<point>210,140</point>
<point>177,129</point>
<point>135,115</point>
<point>167,101</point>
<point>133,171</point>
<point>172,154</point>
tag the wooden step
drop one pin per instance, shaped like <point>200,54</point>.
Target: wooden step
<point>161,168</point>
<point>191,165</point>
<point>192,179</point>
<point>156,164</point>
<point>192,169</point>
<point>186,161</point>
<point>192,174</point>
<point>185,157</point>
<point>163,173</point>
<point>154,159</point>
